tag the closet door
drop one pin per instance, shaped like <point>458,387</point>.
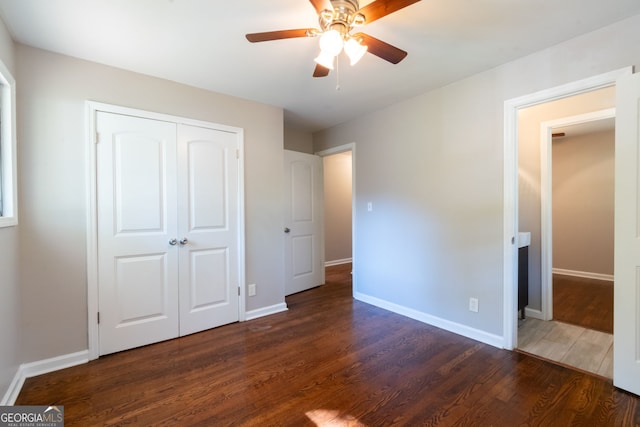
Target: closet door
<point>208,193</point>
<point>137,225</point>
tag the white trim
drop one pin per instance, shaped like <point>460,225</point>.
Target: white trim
<point>583,274</point>
<point>338,262</point>
<point>8,157</point>
<point>533,314</point>
<point>456,328</point>
<point>336,150</point>
<point>33,369</point>
<point>92,108</point>
<point>92,232</point>
<point>242,283</point>
<point>266,311</point>
<point>546,199</point>
<point>510,182</point>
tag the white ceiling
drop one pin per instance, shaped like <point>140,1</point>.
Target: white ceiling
<point>201,43</point>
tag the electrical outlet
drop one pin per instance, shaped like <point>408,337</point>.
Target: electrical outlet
<point>252,290</point>
<point>370,206</point>
<point>473,304</point>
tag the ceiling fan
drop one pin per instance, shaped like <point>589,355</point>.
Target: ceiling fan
<point>337,19</point>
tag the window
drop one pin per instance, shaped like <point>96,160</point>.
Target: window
<point>8,187</point>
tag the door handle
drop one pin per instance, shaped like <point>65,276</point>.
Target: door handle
<point>173,242</point>
<point>183,241</point>
<point>287,230</point>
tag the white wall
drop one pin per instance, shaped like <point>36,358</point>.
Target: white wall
<point>432,167</point>
<point>52,90</point>
<point>9,278</point>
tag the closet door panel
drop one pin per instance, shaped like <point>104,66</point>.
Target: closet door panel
<point>137,265</point>
<point>208,210</point>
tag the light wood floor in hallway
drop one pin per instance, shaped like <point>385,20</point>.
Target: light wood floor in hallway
<point>581,348</point>
<point>582,334</point>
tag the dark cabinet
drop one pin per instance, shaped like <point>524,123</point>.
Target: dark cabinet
<point>523,279</point>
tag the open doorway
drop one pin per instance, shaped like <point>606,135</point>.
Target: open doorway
<point>575,323</point>
<point>626,372</point>
<point>339,212</point>
<point>582,211</point>
<point>577,227</point>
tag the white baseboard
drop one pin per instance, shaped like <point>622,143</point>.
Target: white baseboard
<point>533,313</point>
<point>32,369</point>
<point>266,311</point>
<point>338,262</point>
<point>456,328</point>
<point>583,274</point>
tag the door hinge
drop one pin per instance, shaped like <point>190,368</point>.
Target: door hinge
<point>238,290</point>
<point>97,137</point>
<point>98,318</point>
<point>237,154</point>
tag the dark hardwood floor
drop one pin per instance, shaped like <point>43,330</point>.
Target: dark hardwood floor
<point>329,360</point>
<point>583,302</point>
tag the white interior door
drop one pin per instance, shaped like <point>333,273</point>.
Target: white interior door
<point>304,257</point>
<point>208,189</point>
<point>626,325</point>
<point>137,264</point>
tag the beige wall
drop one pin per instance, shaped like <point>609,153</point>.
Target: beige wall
<point>529,169</point>
<point>9,276</point>
<point>433,168</point>
<point>583,202</point>
<point>296,140</point>
<point>52,90</point>
<point>337,207</point>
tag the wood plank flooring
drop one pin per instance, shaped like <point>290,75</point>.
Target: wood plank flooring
<point>329,360</point>
<point>583,302</point>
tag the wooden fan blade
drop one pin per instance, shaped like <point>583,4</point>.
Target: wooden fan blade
<point>381,49</point>
<point>381,8</point>
<point>320,71</point>
<point>321,5</point>
<point>277,35</point>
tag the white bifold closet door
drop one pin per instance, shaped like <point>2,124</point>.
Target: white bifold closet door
<point>168,232</point>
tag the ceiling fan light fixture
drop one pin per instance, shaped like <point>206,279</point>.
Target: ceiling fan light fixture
<point>354,50</point>
<point>325,59</point>
<point>331,42</point>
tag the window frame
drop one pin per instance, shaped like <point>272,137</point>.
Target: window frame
<point>8,160</point>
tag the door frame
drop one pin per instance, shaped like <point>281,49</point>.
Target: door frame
<point>510,182</point>
<point>91,110</point>
<point>546,199</point>
<point>337,150</point>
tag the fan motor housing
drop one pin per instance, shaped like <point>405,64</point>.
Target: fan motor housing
<point>351,4</point>
<point>344,12</point>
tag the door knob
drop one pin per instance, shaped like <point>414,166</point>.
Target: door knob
<point>184,241</point>
<point>287,230</point>
<point>173,242</point>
